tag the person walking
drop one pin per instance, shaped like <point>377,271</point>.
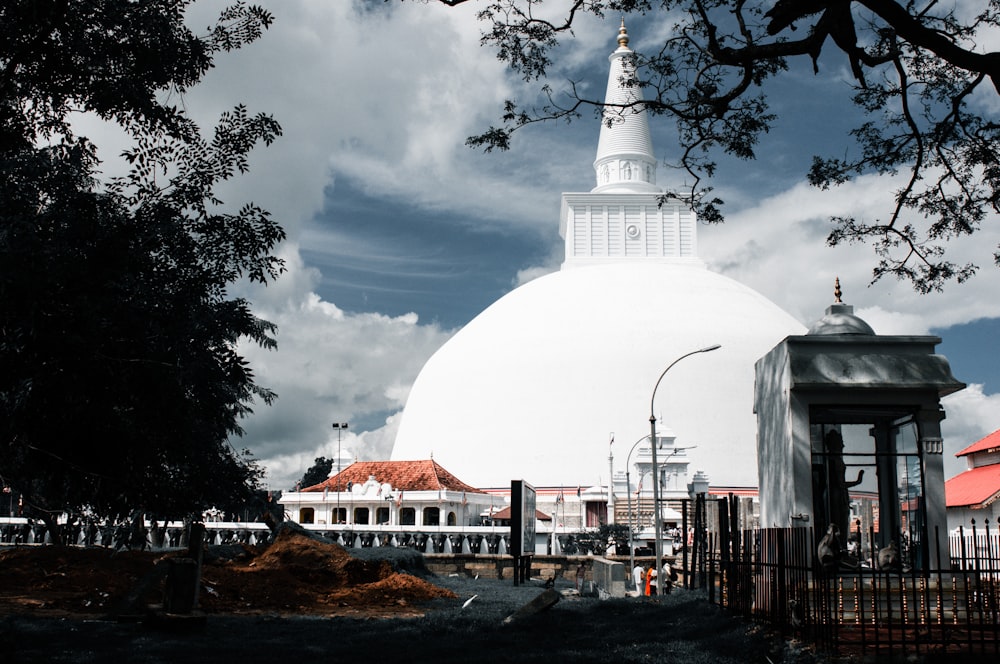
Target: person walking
<point>668,576</point>
<point>637,578</point>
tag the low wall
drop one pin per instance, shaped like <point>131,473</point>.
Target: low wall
<point>609,578</point>
<point>601,576</point>
<point>502,566</point>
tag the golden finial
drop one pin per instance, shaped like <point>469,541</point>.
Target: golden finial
<point>836,291</point>
<point>622,34</point>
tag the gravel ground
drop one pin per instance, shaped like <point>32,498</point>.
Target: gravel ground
<point>681,627</point>
<point>678,628</point>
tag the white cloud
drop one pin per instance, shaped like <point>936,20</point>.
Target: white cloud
<point>329,366</point>
<point>778,246</point>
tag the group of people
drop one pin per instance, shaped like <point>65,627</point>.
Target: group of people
<point>649,581</point>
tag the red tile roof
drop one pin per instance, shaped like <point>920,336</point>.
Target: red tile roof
<point>406,475</point>
<point>990,442</point>
<point>505,514</point>
<point>974,488</point>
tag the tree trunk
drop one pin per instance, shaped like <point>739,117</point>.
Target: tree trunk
<point>52,527</point>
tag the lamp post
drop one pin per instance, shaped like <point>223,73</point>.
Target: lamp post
<point>657,526</point>
<point>339,426</point>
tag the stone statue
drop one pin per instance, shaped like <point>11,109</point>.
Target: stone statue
<point>840,498</point>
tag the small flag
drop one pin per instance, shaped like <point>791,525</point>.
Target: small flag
<point>399,498</point>
<point>326,492</point>
<point>465,501</point>
<point>578,492</point>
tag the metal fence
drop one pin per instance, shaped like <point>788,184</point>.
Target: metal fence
<point>772,576</point>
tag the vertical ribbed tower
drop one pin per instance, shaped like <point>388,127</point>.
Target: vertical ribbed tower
<point>623,218</point>
<point>625,160</point>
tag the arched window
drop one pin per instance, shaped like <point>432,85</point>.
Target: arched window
<point>432,516</point>
<point>361,515</point>
<point>382,515</point>
<point>452,519</point>
<point>307,515</point>
<point>407,516</point>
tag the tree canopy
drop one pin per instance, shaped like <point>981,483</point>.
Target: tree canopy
<point>316,473</point>
<point>120,383</point>
<point>925,82</point>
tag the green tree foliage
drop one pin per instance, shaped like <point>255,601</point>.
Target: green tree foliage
<point>120,384</point>
<point>318,472</point>
<point>925,83</point>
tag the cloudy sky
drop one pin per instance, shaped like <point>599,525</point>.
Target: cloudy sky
<point>398,234</point>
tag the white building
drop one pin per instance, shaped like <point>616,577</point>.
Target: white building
<point>417,504</point>
<point>532,387</point>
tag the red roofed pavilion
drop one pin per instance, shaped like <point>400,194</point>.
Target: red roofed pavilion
<point>400,503</point>
<point>426,475</point>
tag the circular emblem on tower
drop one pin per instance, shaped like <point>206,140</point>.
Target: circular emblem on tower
<point>632,231</point>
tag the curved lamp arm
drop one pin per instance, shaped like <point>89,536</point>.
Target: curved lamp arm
<point>658,380</point>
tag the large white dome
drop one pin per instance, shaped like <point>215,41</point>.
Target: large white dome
<point>533,386</point>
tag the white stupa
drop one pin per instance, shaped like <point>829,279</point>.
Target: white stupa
<point>536,384</point>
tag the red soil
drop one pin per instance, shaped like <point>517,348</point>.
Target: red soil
<point>293,575</point>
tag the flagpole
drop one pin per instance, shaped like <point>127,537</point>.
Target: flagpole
<point>611,480</point>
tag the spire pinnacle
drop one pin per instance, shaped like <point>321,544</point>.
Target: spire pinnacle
<point>625,160</point>
<point>836,290</point>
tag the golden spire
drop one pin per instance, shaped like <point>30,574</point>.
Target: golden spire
<point>836,291</point>
<point>622,34</point>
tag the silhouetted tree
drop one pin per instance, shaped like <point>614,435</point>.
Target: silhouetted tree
<point>120,381</point>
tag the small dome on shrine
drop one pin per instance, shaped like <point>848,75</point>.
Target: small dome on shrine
<point>840,319</point>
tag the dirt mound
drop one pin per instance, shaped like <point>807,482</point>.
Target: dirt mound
<point>294,574</point>
<point>397,588</point>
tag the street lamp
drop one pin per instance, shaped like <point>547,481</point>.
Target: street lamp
<point>657,526</point>
<point>339,426</point>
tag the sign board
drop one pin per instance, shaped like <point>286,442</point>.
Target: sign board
<point>522,518</point>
